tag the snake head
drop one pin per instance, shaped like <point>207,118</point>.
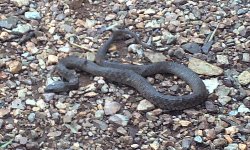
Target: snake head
<point>56,87</point>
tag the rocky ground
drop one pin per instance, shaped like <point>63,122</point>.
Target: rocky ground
<point>211,38</point>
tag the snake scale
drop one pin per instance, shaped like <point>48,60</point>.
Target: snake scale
<point>132,75</point>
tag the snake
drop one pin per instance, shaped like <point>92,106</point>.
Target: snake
<point>131,75</point>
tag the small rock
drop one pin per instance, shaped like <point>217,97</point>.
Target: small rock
<point>232,146</point>
<point>224,100</point>
<point>54,134</point>
<point>4,112</point>
<point>67,28</point>
<point>30,102</point>
<point>111,108</point>
<point>242,146</point>
<point>155,145</point>
<point>242,11</point>
<point>48,96</point>
<point>90,94</point>
<point>60,105</point>
<point>186,142</point>
<point>244,78</point>
<point>184,123</point>
<point>66,48</point>
<point>68,116</point>
<point>134,146</point>
<point>119,119</point>
<point>231,130</point>
<point>211,107</point>
<point>149,12</point>
<point>198,139</point>
<point>21,3</point>
<point>15,66</point>
<point>17,104</point>
<point>52,59</point>
<point>219,142</point>
<point>9,23</point>
<point>153,24</point>
<point>89,23</point>
<point>155,57</point>
<point>90,56</point>
<point>121,130</point>
<point>99,114</point>
<point>192,47</point>
<point>32,15</point>
<point>145,105</point>
<point>100,124</point>
<point>22,28</point>
<point>211,84</point>
<point>168,37</point>
<point>22,93</point>
<point>31,117</point>
<point>110,17</point>
<point>222,59</point>
<point>41,104</point>
<point>60,17</point>
<point>243,109</point>
<point>246,57</point>
<point>105,88</point>
<point>202,67</point>
<point>180,2</point>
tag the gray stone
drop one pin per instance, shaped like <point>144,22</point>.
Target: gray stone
<point>246,57</point>
<point>22,28</point>
<point>224,100</point>
<point>60,17</point>
<point>17,104</point>
<point>202,67</point>
<point>119,119</point>
<point>112,107</point>
<point>243,109</point>
<point>244,78</point>
<point>20,3</point>
<point>192,48</point>
<point>31,117</point>
<point>100,124</point>
<point>9,23</point>
<point>198,139</point>
<point>232,146</point>
<point>32,15</point>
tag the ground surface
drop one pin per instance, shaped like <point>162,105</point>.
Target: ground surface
<point>105,115</point>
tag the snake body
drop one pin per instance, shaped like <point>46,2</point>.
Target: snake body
<point>132,75</point>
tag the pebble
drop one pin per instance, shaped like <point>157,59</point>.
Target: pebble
<point>198,139</point>
<point>31,117</point>
<point>110,17</point>
<point>232,146</point>
<point>153,24</point>
<point>111,108</point>
<point>22,28</point>
<point>15,66</point>
<point>41,104</point>
<point>119,119</point>
<point>210,107</point>
<point>60,105</point>
<point>168,37</point>
<point>105,88</point>
<point>219,142</point>
<point>155,145</point>
<point>89,23</point>
<point>224,100</point>
<point>99,114</point>
<point>145,105</point>
<point>184,123</point>
<point>32,15</point>
<point>186,142</point>
<point>211,84</point>
<point>17,104</point>
<point>244,78</point>
<point>243,109</point>
<point>222,59</point>
<point>202,67</point>
<point>21,3</point>
<point>9,23</point>
<point>52,59</point>
<point>192,48</point>
<point>66,48</point>
<point>121,130</point>
<point>155,57</point>
<point>31,102</point>
<point>100,124</point>
<point>246,57</point>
